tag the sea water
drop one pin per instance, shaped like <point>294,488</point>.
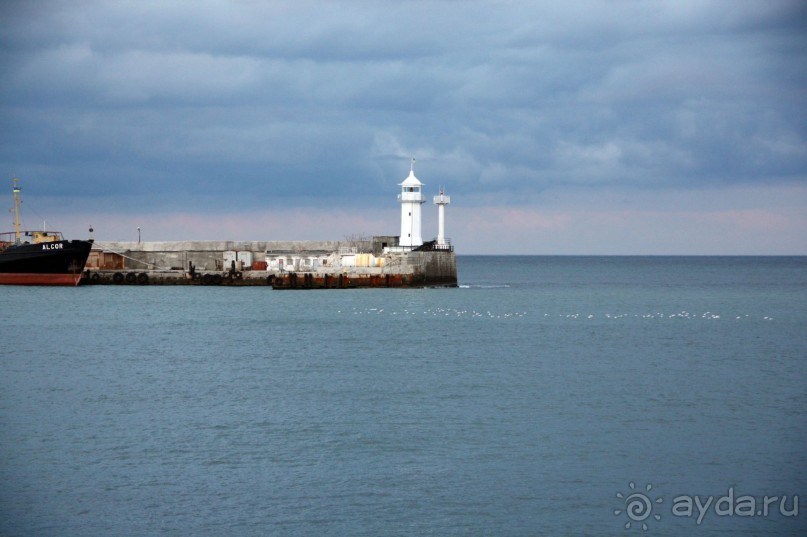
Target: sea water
<point>544,396</point>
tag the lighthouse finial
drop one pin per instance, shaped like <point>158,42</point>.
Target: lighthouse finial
<point>412,165</point>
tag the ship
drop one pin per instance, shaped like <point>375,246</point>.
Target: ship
<point>40,257</point>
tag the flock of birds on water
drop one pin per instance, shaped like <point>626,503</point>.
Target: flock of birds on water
<point>471,313</point>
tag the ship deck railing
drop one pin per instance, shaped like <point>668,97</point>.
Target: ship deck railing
<point>11,236</point>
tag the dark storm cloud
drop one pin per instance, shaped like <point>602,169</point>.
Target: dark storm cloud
<point>329,99</point>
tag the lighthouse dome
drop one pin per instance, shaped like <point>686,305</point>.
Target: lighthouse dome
<point>411,180</point>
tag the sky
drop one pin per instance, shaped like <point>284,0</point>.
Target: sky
<point>594,127</point>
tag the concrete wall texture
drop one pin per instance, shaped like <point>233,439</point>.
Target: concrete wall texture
<point>430,267</point>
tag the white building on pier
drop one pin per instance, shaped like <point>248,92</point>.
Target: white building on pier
<point>411,198</point>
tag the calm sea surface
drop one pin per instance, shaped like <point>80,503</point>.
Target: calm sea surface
<point>545,396</point>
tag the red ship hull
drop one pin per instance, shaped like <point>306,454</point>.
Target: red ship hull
<point>19,278</point>
<point>47,263</point>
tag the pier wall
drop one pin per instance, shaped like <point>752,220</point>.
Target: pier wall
<point>431,267</point>
<point>209,255</point>
<point>414,267</point>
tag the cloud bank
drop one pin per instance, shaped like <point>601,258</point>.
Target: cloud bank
<point>117,112</point>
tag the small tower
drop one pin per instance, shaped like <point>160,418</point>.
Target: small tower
<point>17,232</point>
<point>411,198</point>
<point>441,200</point>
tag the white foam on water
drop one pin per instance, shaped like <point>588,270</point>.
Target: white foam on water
<point>683,315</point>
<point>440,312</point>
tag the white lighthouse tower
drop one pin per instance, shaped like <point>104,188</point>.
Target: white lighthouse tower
<point>411,198</point>
<point>441,200</point>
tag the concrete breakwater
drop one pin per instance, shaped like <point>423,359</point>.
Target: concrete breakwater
<point>404,260</point>
<point>281,264</point>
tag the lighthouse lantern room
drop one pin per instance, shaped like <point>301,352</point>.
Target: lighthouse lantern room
<point>411,198</point>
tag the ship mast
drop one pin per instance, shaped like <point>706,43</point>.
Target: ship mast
<point>17,210</point>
